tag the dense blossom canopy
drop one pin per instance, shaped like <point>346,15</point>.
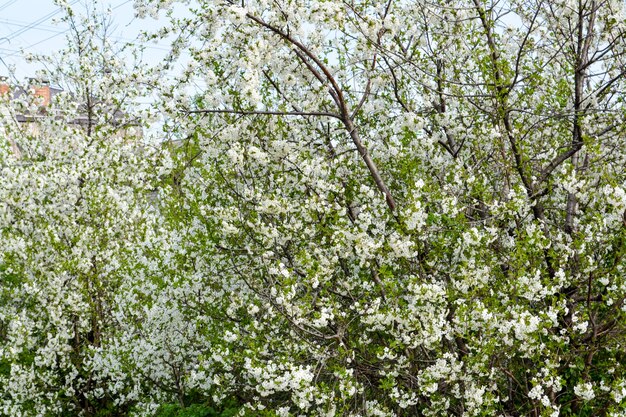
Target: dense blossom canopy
<point>363,208</point>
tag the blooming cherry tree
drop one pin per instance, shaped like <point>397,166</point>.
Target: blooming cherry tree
<point>390,208</point>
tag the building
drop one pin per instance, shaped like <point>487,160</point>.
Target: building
<point>15,122</point>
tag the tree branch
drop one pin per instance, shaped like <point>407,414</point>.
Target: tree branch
<point>266,113</point>
<point>337,94</point>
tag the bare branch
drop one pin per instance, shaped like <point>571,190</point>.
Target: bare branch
<point>266,113</point>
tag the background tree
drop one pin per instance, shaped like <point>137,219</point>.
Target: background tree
<point>74,207</point>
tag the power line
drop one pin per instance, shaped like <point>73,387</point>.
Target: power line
<point>61,32</point>
<point>7,4</point>
<point>37,22</point>
<point>122,4</point>
<point>37,43</point>
<point>22,24</point>
<point>15,52</point>
<point>52,29</point>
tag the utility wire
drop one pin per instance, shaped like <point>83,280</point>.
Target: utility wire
<point>21,24</point>
<point>37,22</point>
<point>58,33</point>
<point>122,4</point>
<point>7,4</point>
<point>52,29</point>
